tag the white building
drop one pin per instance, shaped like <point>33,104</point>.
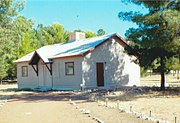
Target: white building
<point>98,62</point>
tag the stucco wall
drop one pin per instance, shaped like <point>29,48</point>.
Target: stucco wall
<point>44,76</point>
<point>118,68</point>
<point>26,82</point>
<point>67,82</point>
<point>43,80</point>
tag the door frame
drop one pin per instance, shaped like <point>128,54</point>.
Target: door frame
<point>100,74</point>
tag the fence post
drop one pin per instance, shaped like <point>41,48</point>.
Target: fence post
<point>130,108</point>
<point>150,113</point>
<point>175,119</point>
<point>118,107</point>
<point>106,102</point>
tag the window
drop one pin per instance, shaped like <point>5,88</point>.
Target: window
<point>24,71</point>
<point>69,68</point>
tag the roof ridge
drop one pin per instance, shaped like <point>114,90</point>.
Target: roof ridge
<point>70,48</point>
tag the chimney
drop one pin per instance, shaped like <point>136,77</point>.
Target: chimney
<point>77,36</point>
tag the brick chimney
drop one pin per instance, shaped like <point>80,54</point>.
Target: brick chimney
<point>76,36</point>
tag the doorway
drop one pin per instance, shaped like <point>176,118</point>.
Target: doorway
<point>100,74</point>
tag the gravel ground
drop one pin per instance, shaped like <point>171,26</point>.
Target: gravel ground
<point>25,107</point>
<point>109,115</point>
<point>54,107</point>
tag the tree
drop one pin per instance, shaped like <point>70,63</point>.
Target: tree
<point>25,36</point>
<point>8,11</point>
<point>56,32</point>
<point>18,37</point>
<point>101,32</point>
<point>2,69</point>
<point>157,35</point>
<point>89,34</point>
<point>66,35</point>
<point>173,64</point>
<point>52,34</point>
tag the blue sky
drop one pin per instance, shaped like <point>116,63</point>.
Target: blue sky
<point>87,15</point>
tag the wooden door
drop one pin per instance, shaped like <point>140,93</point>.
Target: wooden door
<point>100,74</point>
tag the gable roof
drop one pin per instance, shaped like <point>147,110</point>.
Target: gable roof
<point>68,49</point>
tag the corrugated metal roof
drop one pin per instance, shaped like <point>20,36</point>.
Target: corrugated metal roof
<point>66,49</point>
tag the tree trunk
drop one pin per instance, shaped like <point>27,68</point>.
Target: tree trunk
<point>1,80</point>
<point>178,67</point>
<point>162,72</point>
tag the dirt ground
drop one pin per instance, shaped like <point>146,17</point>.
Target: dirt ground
<point>54,107</point>
<point>162,105</point>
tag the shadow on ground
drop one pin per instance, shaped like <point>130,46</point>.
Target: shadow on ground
<point>47,96</point>
<point>121,94</point>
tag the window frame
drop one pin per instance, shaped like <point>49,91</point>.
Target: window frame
<point>66,63</point>
<point>22,69</point>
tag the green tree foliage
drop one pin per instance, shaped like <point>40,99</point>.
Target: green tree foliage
<point>2,68</point>
<point>52,34</point>
<point>25,35</point>
<point>8,11</point>
<point>157,35</point>
<point>56,32</point>
<point>18,37</point>
<point>89,34</point>
<point>101,32</point>
<point>173,64</point>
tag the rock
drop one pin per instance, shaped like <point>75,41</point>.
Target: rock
<point>70,100</point>
<point>122,110</point>
<point>134,86</point>
<point>142,116</point>
<point>109,106</point>
<point>161,121</point>
<point>100,121</point>
<point>114,93</point>
<point>82,110</point>
<point>100,104</point>
<point>135,113</point>
<point>149,118</point>
<point>73,103</point>
<point>86,112</point>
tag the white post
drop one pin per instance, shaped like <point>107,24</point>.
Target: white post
<point>150,113</point>
<point>130,108</point>
<point>106,102</point>
<point>118,104</point>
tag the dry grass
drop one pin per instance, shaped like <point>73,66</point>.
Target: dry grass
<point>154,80</point>
<point>163,105</point>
